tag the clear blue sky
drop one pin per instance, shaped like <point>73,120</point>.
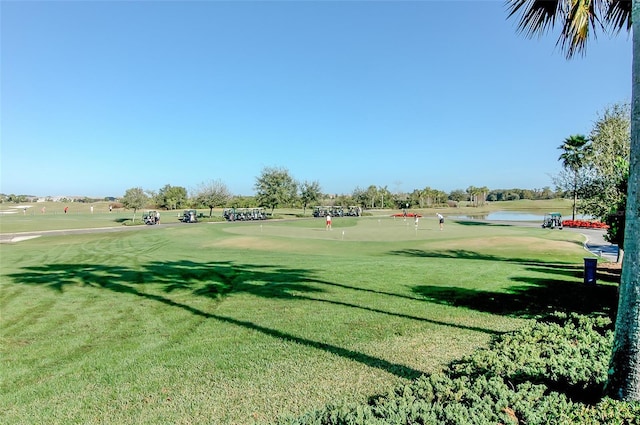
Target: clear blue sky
<point>99,97</point>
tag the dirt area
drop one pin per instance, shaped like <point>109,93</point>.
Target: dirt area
<point>610,267</point>
<point>609,271</point>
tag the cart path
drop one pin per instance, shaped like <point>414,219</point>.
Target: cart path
<point>596,244</point>
<point>21,236</point>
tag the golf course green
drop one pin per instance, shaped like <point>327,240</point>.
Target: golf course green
<point>236,323</point>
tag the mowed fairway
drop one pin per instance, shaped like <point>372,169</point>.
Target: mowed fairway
<point>235,323</point>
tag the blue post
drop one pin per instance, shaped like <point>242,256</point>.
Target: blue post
<point>590,269</point>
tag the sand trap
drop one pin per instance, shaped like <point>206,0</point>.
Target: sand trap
<point>18,239</point>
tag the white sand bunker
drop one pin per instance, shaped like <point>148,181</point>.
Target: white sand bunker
<point>18,239</point>
<point>14,210</point>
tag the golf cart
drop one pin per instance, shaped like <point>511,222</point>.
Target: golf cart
<point>552,221</point>
<point>151,217</point>
<point>189,216</point>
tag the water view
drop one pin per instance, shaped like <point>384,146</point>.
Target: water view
<point>512,216</point>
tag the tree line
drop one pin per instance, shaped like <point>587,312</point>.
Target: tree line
<point>215,194</point>
<point>277,188</point>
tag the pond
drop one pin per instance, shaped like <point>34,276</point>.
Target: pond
<point>512,216</point>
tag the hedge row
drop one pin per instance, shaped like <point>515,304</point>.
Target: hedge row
<point>585,224</point>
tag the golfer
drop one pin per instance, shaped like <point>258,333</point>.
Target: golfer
<point>441,220</point>
<point>328,221</point>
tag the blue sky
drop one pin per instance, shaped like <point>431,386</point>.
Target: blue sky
<point>98,97</point>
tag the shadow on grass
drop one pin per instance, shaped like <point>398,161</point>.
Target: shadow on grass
<point>602,275</point>
<point>534,298</point>
<point>216,280</point>
<point>479,223</point>
<point>537,297</point>
<point>121,220</point>
<point>464,254</point>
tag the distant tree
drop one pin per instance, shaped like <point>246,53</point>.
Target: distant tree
<point>371,194</point>
<point>309,193</point>
<point>482,195</point>
<point>400,199</point>
<point>477,195</point>
<point>274,187</point>
<point>359,196</point>
<point>426,197</point>
<point>243,202</point>
<point>386,198</point>
<point>458,195</point>
<point>16,198</point>
<point>440,197</point>
<point>546,193</point>
<point>576,150</point>
<point>134,199</point>
<point>414,198</point>
<point>565,182</point>
<point>171,197</point>
<point>211,194</point>
<point>344,200</point>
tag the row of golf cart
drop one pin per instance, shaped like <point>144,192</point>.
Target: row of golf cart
<point>337,211</point>
<point>244,214</point>
<point>153,217</point>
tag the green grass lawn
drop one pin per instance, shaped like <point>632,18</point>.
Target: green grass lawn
<point>78,216</point>
<point>235,323</point>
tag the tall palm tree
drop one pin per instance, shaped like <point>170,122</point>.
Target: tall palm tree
<point>576,150</point>
<point>579,20</point>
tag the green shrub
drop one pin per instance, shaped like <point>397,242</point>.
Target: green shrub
<point>567,354</point>
<point>540,374</point>
<point>137,222</point>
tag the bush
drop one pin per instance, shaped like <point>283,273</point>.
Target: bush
<point>137,222</point>
<point>567,354</point>
<point>541,374</point>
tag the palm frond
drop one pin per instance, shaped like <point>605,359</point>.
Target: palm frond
<point>576,149</point>
<point>618,15</point>
<point>580,19</point>
<point>536,16</point>
<point>581,22</point>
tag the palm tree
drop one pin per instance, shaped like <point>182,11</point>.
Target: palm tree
<point>579,20</point>
<point>576,150</point>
